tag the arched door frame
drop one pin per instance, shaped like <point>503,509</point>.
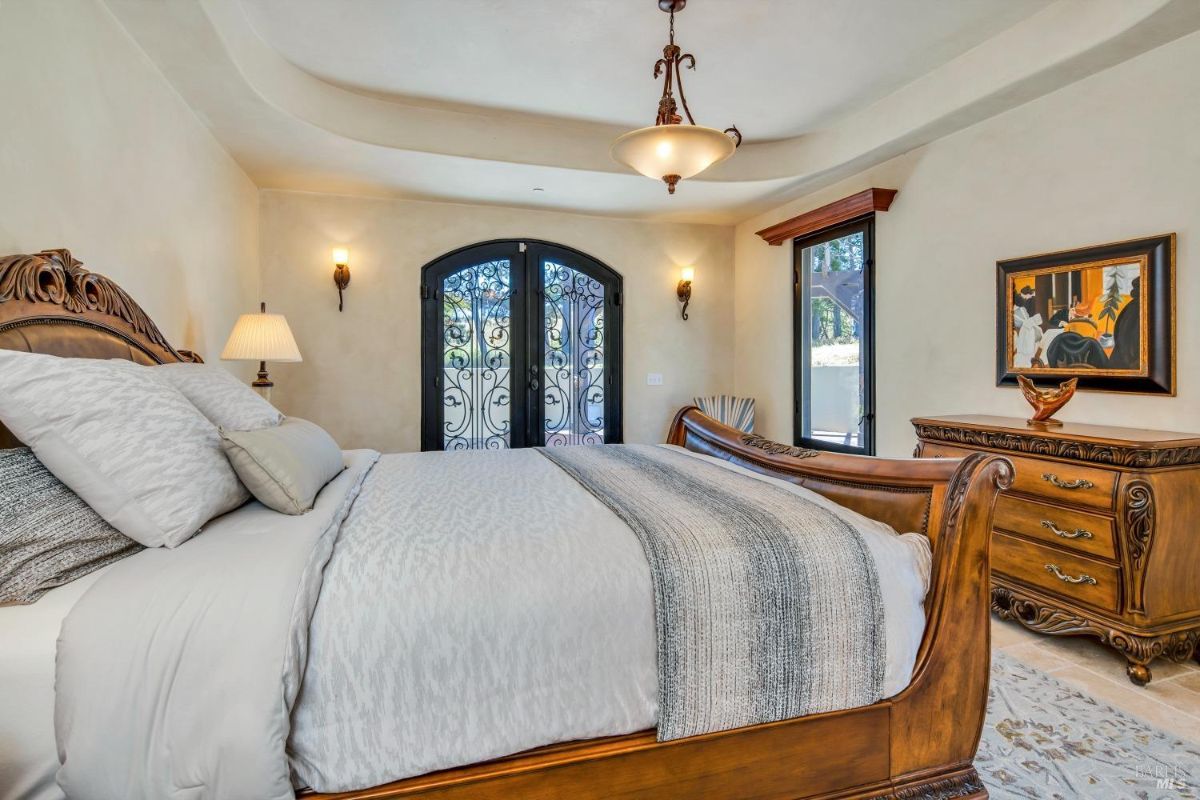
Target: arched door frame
<point>526,334</point>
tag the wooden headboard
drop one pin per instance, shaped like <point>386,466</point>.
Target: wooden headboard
<point>50,304</point>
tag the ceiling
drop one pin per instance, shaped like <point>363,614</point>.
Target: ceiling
<point>591,59</point>
<point>483,101</point>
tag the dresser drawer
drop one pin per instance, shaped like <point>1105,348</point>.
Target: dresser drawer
<point>1091,534</point>
<point>939,450</point>
<point>1059,572</point>
<point>1068,483</point>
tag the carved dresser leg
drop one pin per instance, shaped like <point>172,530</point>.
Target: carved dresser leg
<point>1139,650</point>
<point>1138,673</point>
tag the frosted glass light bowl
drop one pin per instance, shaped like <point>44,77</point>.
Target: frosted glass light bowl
<point>662,150</point>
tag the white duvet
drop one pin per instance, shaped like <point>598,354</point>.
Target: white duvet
<point>497,606</point>
<point>28,637</point>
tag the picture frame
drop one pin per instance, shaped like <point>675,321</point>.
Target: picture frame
<point>1103,314</point>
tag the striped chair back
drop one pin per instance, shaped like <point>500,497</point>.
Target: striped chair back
<point>736,412</point>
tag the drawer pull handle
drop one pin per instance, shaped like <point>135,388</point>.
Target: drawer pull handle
<point>1078,533</point>
<point>1058,573</point>
<point>1054,480</point>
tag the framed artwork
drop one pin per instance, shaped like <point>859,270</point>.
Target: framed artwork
<point>1104,315</point>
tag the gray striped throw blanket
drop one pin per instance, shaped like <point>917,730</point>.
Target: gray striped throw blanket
<point>767,605</point>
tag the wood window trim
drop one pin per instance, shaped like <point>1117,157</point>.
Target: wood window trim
<point>848,208</point>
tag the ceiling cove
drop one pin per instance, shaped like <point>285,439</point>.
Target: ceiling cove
<point>481,101</point>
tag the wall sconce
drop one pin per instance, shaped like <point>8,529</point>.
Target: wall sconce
<point>684,290</point>
<point>341,271</point>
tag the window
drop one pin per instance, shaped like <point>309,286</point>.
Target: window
<point>834,328</point>
<point>521,347</point>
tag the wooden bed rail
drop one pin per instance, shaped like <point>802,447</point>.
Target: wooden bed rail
<point>692,427</point>
<point>903,492</point>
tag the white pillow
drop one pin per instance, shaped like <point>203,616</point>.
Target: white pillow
<point>227,401</point>
<point>130,445</point>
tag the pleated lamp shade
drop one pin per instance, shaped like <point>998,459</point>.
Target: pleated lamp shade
<point>261,337</point>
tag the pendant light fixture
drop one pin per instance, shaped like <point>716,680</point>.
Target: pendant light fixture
<point>670,150</point>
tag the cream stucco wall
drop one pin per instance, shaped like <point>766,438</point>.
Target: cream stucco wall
<point>361,374</point>
<point>98,154</point>
<point>1115,156</point>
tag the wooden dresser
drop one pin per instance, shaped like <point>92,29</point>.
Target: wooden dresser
<point>1098,535</point>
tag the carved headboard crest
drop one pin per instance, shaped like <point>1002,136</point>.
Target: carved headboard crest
<point>34,278</point>
<point>57,279</point>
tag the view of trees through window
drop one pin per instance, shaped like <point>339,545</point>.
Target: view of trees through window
<point>836,328</point>
<point>832,351</point>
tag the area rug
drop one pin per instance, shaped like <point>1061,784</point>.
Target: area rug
<point>1044,740</point>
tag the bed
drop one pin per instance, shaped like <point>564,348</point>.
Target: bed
<point>917,741</point>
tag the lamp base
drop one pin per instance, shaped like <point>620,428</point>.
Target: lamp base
<point>263,384</point>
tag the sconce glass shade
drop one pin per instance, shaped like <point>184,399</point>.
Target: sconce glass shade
<point>683,150</point>
<point>687,274</point>
<point>261,337</point>
<point>341,256</point>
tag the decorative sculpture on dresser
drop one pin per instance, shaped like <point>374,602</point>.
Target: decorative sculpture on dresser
<point>1046,401</point>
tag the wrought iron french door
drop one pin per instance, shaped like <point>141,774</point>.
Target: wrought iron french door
<point>521,347</point>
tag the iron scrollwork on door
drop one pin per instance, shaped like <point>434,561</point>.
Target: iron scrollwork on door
<point>520,347</point>
<point>574,356</point>
<point>476,357</point>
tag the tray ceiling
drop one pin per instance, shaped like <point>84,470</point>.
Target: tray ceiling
<point>591,59</point>
<point>486,100</point>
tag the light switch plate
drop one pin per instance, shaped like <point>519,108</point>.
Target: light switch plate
<point>654,379</point>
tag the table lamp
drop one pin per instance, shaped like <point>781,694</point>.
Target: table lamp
<point>261,337</point>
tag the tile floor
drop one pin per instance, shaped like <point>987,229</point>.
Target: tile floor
<point>1171,701</point>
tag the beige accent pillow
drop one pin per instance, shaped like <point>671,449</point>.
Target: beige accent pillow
<point>285,466</point>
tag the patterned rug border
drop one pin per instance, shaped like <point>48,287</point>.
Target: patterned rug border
<point>1046,740</point>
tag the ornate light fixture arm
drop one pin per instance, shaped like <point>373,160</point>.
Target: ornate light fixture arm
<point>674,155</point>
<point>672,62</point>
<point>690,64</point>
<point>666,106</point>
